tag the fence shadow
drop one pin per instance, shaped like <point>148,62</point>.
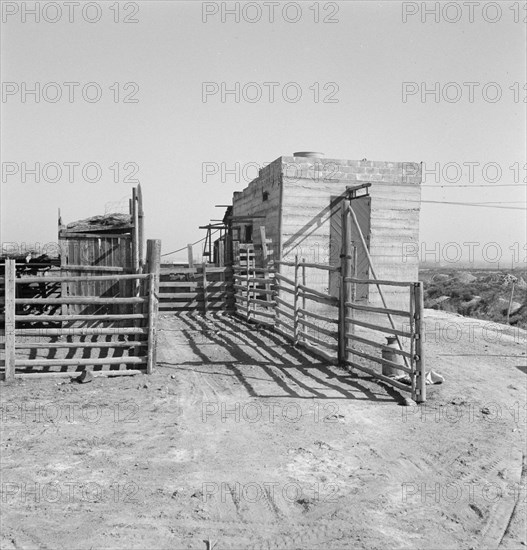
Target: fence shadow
<point>294,372</point>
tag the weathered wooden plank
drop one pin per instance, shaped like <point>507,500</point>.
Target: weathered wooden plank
<point>379,328</point>
<point>377,282</point>
<point>115,269</point>
<point>319,352</point>
<point>387,379</point>
<point>76,374</point>
<point>327,332</point>
<point>318,316</point>
<point>130,359</point>
<point>81,345</point>
<point>318,341</point>
<point>328,300</point>
<point>79,331</point>
<point>79,279</point>
<point>380,361</point>
<point>398,312</point>
<point>374,344</point>
<point>80,300</point>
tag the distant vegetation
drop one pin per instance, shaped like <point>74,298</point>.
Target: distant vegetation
<point>478,293</point>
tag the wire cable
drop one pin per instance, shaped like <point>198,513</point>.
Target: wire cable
<point>192,244</point>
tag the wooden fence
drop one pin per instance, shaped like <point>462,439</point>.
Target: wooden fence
<point>36,326</point>
<point>339,330</point>
<point>195,287</point>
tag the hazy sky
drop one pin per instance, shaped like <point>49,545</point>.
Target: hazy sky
<point>171,131</point>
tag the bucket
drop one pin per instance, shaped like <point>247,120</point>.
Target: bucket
<point>389,355</point>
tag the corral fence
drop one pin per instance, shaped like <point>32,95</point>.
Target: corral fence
<point>339,329</point>
<point>54,333</point>
<point>195,287</point>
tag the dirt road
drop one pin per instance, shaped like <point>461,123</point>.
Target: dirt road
<point>241,441</point>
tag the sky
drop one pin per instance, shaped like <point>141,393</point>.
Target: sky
<point>153,124</point>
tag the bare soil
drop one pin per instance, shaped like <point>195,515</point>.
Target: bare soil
<point>240,441</point>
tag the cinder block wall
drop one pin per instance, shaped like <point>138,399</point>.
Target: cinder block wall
<point>303,196</point>
<point>250,202</point>
<point>311,188</point>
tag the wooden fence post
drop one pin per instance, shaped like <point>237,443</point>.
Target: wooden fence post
<point>10,274</point>
<point>135,232</point>
<point>190,256</point>
<point>141,226</point>
<point>247,305</point>
<point>304,283</point>
<point>420,374</point>
<point>205,302</point>
<point>344,287</point>
<point>153,258</point>
<point>510,303</point>
<point>295,304</point>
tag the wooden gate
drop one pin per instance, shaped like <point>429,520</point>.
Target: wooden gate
<point>39,341</point>
<point>340,329</point>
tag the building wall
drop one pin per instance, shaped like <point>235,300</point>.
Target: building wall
<point>250,202</point>
<point>311,191</point>
<point>304,196</point>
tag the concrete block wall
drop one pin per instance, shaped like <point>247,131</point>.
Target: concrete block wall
<point>250,202</point>
<point>304,195</point>
<point>310,199</point>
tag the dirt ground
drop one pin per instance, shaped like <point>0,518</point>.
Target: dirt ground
<point>241,441</point>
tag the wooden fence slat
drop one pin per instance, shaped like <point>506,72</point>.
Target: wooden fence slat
<point>79,331</point>
<point>332,333</point>
<point>279,300</point>
<point>110,268</point>
<point>308,264</point>
<point>80,279</point>
<point>380,329</point>
<point>319,352</point>
<point>308,291</point>
<point>351,336</point>
<point>285,313</point>
<point>316,340</point>
<point>377,282</point>
<point>75,374</point>
<point>263,313</point>
<point>399,312</point>
<point>318,316</point>
<point>387,379</point>
<point>381,361</point>
<point>81,361</point>
<point>58,318</point>
<point>328,300</point>
<point>284,278</point>
<point>263,303</point>
<point>80,300</point>
<point>81,345</point>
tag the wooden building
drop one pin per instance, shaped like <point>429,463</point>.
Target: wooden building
<point>297,199</point>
